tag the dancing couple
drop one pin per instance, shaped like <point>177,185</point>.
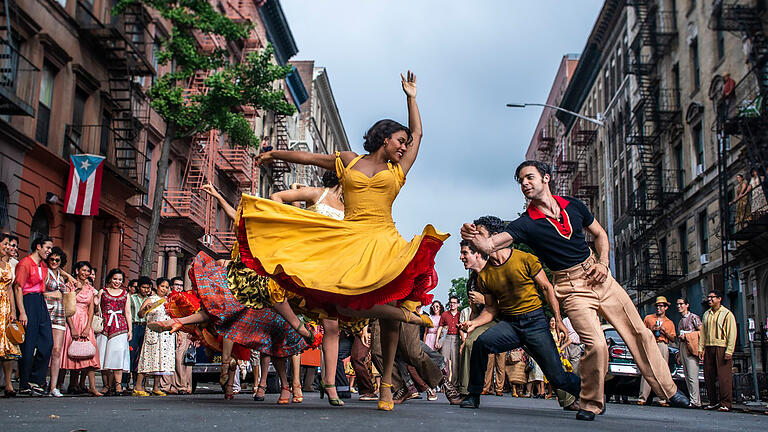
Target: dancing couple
<point>554,227</point>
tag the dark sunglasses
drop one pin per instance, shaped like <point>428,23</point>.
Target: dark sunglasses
<point>54,259</point>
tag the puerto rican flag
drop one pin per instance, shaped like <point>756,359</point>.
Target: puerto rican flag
<point>84,185</point>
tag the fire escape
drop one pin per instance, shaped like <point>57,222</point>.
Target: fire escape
<point>656,113</point>
<point>546,146</point>
<point>741,113</point>
<point>18,76</point>
<point>584,186</point>
<point>127,46</point>
<point>280,141</point>
<point>564,169</point>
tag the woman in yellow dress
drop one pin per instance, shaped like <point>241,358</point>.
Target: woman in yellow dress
<point>360,266</point>
<point>8,351</point>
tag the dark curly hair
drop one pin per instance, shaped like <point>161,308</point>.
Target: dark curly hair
<point>382,130</point>
<point>60,253</point>
<point>113,272</point>
<point>540,166</point>
<point>491,223</point>
<point>330,179</point>
<point>81,264</point>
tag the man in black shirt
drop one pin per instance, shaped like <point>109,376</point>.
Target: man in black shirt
<point>554,228</point>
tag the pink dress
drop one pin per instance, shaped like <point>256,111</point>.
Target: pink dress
<point>432,332</point>
<point>80,320</point>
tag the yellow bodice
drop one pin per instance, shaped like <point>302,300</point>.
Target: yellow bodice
<point>369,199</point>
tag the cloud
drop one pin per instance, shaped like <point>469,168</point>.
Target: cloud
<point>471,58</point>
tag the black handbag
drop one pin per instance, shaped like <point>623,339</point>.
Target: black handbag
<point>190,357</point>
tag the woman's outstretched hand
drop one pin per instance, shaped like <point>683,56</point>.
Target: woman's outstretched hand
<point>409,84</point>
<point>265,158</point>
<point>210,190</point>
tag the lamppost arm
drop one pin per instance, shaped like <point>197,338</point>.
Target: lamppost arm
<point>596,121</point>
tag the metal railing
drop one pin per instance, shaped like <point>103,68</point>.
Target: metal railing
<point>749,215</point>
<point>18,81</point>
<point>184,204</point>
<point>222,241</point>
<point>121,152</point>
<point>130,27</point>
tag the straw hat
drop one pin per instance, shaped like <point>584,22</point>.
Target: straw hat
<point>661,299</point>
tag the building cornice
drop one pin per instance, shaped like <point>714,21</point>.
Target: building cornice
<point>278,31</point>
<point>328,101</point>
<point>590,61</point>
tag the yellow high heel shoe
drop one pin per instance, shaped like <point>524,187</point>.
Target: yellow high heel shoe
<point>386,405</point>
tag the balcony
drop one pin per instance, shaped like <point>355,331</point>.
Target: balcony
<point>236,162</point>
<point>737,16</point>
<point>546,142</point>
<point>124,38</point>
<point>583,136</point>
<point>123,156</point>
<point>18,82</point>
<point>185,206</point>
<point>749,216</point>
<point>657,271</point>
<point>222,242</point>
<point>744,107</point>
<point>640,64</point>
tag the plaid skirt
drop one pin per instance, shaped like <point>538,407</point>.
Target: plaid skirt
<point>262,330</point>
<point>56,311</point>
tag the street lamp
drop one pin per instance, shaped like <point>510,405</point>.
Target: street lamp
<point>598,121</point>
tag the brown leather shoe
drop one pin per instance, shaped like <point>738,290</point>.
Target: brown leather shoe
<point>499,393</point>
<point>572,407</point>
<point>453,396</point>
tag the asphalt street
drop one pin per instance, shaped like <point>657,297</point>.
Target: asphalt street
<point>210,412</point>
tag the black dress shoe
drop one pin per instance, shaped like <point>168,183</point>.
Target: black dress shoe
<point>679,400</point>
<point>471,401</point>
<point>585,415</point>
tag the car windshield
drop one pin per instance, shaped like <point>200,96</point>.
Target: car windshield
<point>614,335</point>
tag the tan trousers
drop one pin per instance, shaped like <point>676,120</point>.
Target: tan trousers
<point>495,365</point>
<point>582,302</point>
<point>645,389</point>
<point>691,369</point>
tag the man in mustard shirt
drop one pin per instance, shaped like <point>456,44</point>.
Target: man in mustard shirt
<point>718,341</point>
<point>508,283</point>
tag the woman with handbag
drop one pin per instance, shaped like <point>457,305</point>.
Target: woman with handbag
<point>515,370</point>
<point>55,289</point>
<point>112,342</point>
<point>79,340</point>
<point>158,354</point>
<point>9,351</point>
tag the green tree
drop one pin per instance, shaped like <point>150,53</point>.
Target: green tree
<point>229,85</point>
<point>459,289</point>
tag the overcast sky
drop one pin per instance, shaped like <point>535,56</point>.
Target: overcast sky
<point>470,58</point>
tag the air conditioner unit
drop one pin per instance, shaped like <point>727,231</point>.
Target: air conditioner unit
<point>732,245</point>
<point>704,259</point>
<point>699,169</point>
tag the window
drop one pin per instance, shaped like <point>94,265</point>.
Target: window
<point>720,42</point>
<point>63,3</point>
<point>45,99</point>
<point>3,206</point>
<point>106,122</point>
<point>695,64</point>
<point>663,256</point>
<point>148,171</point>
<point>682,234</point>
<point>680,172</point>
<point>676,83</point>
<point>74,142</point>
<point>703,233</point>
<point>698,147</point>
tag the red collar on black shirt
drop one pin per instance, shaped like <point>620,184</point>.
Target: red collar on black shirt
<point>564,228</point>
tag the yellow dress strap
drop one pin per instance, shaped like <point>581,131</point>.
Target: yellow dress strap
<point>339,166</point>
<point>354,161</point>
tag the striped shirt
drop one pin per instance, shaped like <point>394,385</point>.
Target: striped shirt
<point>136,302</point>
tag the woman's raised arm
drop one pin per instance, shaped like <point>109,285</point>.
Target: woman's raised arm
<point>414,121</point>
<point>306,194</point>
<point>327,161</point>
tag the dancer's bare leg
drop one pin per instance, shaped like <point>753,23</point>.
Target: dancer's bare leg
<point>296,378</point>
<point>227,370</point>
<point>285,310</point>
<point>384,312</point>
<point>390,332</point>
<point>330,355</point>
<point>196,318</point>
<point>282,373</point>
<point>264,365</point>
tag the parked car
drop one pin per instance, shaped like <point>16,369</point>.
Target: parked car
<point>623,378</point>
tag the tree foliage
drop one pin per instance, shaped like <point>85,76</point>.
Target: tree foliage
<point>459,289</point>
<point>230,84</point>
